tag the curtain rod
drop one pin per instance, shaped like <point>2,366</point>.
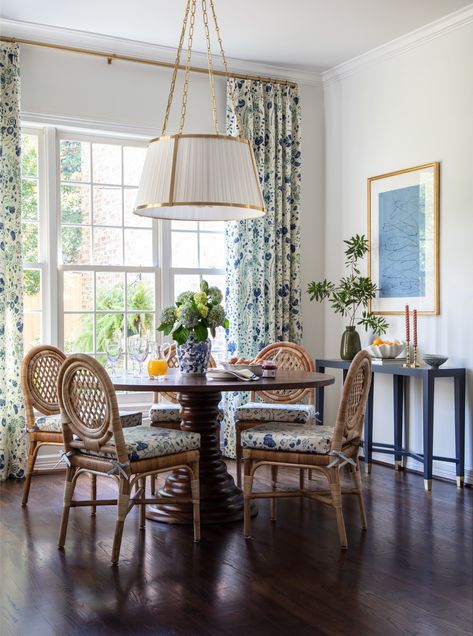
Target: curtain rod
<point>110,57</point>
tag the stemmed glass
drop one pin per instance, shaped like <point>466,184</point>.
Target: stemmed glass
<point>138,349</point>
<point>113,349</point>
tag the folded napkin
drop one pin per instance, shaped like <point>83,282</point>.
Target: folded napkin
<point>224,374</point>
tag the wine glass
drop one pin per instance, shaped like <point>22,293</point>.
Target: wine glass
<point>138,349</point>
<point>113,349</point>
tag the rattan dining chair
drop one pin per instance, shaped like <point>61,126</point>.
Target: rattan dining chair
<point>281,405</point>
<point>320,448</point>
<point>96,443</point>
<point>39,374</point>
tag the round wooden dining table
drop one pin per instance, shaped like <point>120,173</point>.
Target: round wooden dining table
<point>199,397</point>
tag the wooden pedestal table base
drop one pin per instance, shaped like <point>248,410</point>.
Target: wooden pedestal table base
<point>221,500</point>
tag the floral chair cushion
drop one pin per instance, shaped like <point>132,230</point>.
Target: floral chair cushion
<point>48,424</point>
<point>268,412</point>
<point>144,442</point>
<point>52,423</point>
<point>162,413</point>
<point>291,437</point>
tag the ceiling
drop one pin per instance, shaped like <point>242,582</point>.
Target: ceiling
<point>304,34</point>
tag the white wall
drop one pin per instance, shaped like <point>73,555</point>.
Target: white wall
<point>400,111</point>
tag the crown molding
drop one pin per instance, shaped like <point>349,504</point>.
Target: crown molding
<point>400,45</point>
<point>134,48</point>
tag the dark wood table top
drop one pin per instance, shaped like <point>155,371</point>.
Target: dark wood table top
<point>182,383</point>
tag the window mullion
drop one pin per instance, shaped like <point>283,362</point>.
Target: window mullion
<point>50,222</point>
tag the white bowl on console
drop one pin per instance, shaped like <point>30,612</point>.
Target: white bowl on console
<point>386,350</point>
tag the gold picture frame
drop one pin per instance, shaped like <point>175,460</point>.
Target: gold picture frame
<point>403,234</point>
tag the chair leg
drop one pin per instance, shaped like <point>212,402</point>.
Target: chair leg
<point>238,453</point>
<point>195,490</point>
<point>359,487</point>
<point>32,452</point>
<point>122,509</point>
<point>68,494</point>
<point>274,481</point>
<point>93,492</point>
<point>153,484</point>
<point>247,491</point>
<point>336,493</point>
<point>142,483</point>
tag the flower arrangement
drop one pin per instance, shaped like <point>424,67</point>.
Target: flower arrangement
<point>194,313</point>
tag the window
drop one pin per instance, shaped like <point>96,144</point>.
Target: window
<point>108,263</point>
<point>32,245</point>
<point>102,269</point>
<point>197,252</point>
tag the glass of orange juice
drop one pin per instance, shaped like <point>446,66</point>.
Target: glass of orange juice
<point>158,362</point>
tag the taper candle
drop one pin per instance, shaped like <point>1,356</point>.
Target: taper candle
<point>407,323</point>
<point>414,314</point>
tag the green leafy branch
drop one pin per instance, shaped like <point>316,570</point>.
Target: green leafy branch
<point>353,291</point>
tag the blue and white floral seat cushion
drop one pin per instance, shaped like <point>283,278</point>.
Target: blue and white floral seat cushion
<point>52,423</point>
<point>269,412</point>
<point>166,412</point>
<point>144,442</point>
<point>289,437</point>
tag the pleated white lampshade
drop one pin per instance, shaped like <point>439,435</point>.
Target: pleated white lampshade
<point>199,178</point>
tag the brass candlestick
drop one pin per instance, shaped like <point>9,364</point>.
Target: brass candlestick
<point>408,354</point>
<point>415,364</point>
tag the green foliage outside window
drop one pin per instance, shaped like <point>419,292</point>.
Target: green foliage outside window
<point>140,298</point>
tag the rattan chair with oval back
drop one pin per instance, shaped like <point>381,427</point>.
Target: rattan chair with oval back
<point>96,443</point>
<point>321,448</point>
<point>39,374</point>
<point>280,405</point>
<point>167,413</point>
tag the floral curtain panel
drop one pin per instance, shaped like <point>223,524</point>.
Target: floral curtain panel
<point>12,421</point>
<point>263,291</point>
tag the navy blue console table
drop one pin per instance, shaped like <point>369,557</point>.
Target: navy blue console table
<point>400,378</point>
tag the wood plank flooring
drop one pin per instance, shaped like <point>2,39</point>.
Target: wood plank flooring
<point>409,574</point>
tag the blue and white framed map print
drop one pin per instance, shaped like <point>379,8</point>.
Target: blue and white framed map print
<point>403,222</point>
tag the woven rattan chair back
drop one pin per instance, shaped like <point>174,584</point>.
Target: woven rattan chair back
<point>173,363</point>
<point>39,376</point>
<point>351,412</point>
<point>89,407</point>
<point>290,357</point>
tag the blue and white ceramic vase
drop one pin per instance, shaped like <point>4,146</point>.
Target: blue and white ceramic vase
<point>194,356</point>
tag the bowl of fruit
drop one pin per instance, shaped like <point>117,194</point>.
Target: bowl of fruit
<point>380,348</point>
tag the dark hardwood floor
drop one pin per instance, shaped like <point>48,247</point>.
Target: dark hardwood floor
<point>410,573</point>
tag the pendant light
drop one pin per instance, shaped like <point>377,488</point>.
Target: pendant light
<point>199,177</point>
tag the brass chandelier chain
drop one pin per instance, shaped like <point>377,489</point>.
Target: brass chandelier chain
<point>210,64</point>
<point>188,66</point>
<point>189,21</point>
<point>176,68</point>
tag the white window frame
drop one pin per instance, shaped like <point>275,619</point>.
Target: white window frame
<point>49,216</point>
<point>43,264</point>
<point>155,268</point>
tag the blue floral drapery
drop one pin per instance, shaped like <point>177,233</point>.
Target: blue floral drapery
<point>12,420</point>
<point>263,290</point>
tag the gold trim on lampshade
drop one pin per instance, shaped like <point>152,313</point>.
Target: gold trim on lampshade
<point>199,178</point>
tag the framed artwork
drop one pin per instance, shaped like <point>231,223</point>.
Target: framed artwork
<point>403,233</point>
